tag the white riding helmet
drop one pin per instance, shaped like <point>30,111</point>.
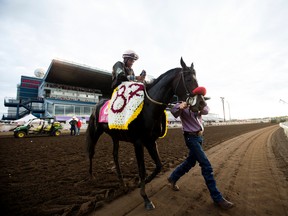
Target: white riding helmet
<point>130,54</point>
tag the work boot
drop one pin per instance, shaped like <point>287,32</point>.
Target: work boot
<point>224,204</point>
<point>173,185</point>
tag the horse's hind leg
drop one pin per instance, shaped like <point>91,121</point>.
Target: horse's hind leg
<point>91,151</point>
<point>116,161</point>
<point>92,135</point>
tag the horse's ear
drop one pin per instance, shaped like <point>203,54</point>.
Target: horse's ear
<point>183,63</point>
<point>192,66</point>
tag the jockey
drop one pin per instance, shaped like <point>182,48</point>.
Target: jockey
<point>122,71</point>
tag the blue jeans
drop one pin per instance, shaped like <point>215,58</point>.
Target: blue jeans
<point>196,154</point>
<point>77,131</point>
<point>73,130</point>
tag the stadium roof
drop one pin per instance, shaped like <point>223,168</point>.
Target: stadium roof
<point>67,73</point>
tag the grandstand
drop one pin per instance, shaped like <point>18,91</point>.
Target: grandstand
<point>66,89</point>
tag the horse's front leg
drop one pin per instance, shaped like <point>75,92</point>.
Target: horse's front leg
<point>116,161</point>
<point>154,153</point>
<point>139,151</point>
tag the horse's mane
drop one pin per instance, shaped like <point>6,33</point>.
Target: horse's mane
<point>167,75</point>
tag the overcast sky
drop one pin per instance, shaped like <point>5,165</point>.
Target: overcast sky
<point>239,48</point>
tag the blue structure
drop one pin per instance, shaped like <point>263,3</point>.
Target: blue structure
<point>27,100</point>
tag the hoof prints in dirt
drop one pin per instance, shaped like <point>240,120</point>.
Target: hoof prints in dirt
<point>49,176</point>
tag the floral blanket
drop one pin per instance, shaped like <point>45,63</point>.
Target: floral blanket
<point>125,105</point>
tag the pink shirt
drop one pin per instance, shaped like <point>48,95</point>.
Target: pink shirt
<point>191,122</point>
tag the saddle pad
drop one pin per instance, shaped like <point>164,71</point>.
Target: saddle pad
<point>103,115</point>
<point>125,105</point>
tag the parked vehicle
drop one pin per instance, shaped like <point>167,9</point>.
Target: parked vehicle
<point>38,126</point>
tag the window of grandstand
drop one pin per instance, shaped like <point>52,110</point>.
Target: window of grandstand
<point>87,110</point>
<point>59,110</point>
<point>69,110</point>
<point>50,108</point>
<point>77,110</point>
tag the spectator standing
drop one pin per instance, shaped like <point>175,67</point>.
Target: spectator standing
<point>79,124</point>
<point>73,124</point>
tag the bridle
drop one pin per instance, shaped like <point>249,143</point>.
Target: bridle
<point>184,84</point>
<point>190,99</point>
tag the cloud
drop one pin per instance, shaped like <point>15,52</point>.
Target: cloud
<point>238,47</point>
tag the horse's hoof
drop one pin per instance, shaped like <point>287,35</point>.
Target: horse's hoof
<point>149,206</point>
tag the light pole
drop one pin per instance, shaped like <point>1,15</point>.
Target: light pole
<point>229,110</point>
<point>222,98</point>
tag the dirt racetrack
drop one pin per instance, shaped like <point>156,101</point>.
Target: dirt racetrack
<point>49,175</point>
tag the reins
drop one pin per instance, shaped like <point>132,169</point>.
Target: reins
<point>164,104</point>
<point>152,100</point>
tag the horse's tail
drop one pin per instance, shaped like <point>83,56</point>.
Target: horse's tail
<point>93,131</point>
<point>90,134</point>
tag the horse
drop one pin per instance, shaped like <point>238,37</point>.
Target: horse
<point>147,127</point>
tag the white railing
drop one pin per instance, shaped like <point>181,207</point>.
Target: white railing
<point>284,125</point>
<point>11,100</point>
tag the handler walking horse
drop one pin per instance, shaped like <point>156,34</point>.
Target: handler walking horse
<point>146,128</point>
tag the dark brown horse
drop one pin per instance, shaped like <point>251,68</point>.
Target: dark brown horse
<point>148,126</point>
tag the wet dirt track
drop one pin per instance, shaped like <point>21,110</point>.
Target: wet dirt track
<point>49,175</point>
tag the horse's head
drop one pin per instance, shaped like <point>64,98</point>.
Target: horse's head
<point>185,86</point>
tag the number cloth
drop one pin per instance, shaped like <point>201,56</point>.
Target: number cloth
<point>125,105</point>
